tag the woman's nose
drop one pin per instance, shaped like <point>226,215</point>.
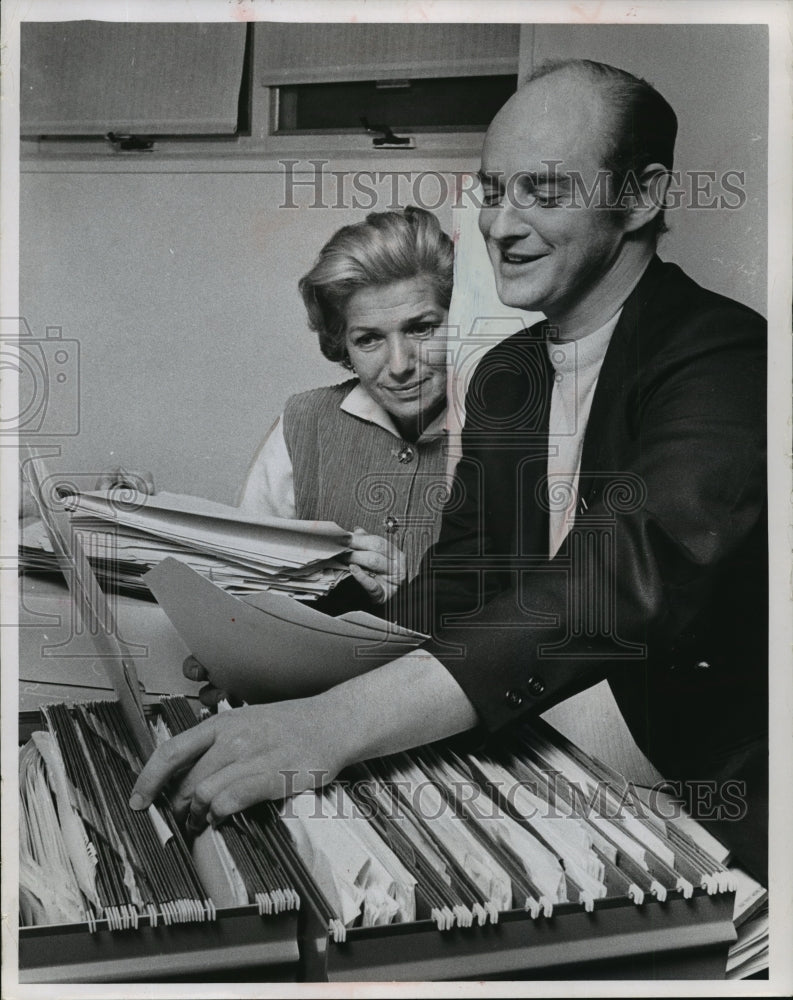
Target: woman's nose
<point>401,356</point>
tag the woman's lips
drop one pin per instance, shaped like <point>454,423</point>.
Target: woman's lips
<point>407,391</point>
<point>405,388</point>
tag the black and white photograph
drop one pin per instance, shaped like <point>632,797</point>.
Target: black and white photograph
<point>395,430</point>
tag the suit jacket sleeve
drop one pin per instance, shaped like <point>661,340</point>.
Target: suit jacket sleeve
<point>672,491</point>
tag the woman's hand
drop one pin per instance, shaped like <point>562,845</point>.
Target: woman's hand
<point>209,695</point>
<point>238,758</point>
<point>377,564</point>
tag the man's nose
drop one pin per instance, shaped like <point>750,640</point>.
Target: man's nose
<point>506,221</point>
<point>401,356</point>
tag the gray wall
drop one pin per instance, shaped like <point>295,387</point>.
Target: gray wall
<point>182,290</point>
<point>715,76</point>
<point>181,286</point>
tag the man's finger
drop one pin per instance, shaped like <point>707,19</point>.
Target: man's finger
<point>170,759</point>
<point>204,795</point>
<point>247,790</point>
<point>228,790</point>
<point>194,670</point>
<point>209,696</point>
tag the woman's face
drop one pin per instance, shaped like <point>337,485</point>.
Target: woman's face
<point>396,340</point>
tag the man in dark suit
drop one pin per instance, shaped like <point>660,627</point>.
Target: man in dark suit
<point>625,439</point>
<point>608,516</point>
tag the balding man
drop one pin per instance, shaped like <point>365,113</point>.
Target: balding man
<point>608,518</point>
<point>614,520</point>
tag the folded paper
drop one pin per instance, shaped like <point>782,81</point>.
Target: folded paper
<point>273,651</point>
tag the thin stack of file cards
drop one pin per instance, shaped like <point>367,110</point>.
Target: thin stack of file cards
<point>126,533</point>
<point>361,878</point>
<point>86,857</point>
<point>267,646</point>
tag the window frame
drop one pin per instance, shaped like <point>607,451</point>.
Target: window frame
<point>261,145</point>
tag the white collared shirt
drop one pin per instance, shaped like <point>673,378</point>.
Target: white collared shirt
<point>577,365</point>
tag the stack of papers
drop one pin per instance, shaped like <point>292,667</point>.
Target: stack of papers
<point>267,646</point>
<point>749,954</point>
<point>124,536</point>
<point>57,876</point>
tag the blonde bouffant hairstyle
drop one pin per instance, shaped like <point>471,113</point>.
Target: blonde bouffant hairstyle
<point>386,247</point>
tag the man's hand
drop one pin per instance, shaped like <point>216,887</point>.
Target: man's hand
<point>240,757</point>
<point>377,564</point>
<point>209,695</point>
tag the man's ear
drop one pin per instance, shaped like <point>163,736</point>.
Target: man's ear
<point>643,196</point>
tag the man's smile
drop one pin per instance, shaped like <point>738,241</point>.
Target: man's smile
<point>513,258</point>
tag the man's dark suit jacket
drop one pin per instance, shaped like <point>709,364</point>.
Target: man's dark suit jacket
<point>661,586</point>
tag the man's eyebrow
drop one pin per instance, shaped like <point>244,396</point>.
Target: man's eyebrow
<point>486,179</point>
<point>547,177</point>
<point>535,177</point>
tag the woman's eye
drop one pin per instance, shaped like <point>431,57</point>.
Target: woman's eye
<point>367,340</point>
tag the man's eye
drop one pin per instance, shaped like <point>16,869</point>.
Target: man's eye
<point>491,197</point>
<point>423,329</point>
<point>546,200</point>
